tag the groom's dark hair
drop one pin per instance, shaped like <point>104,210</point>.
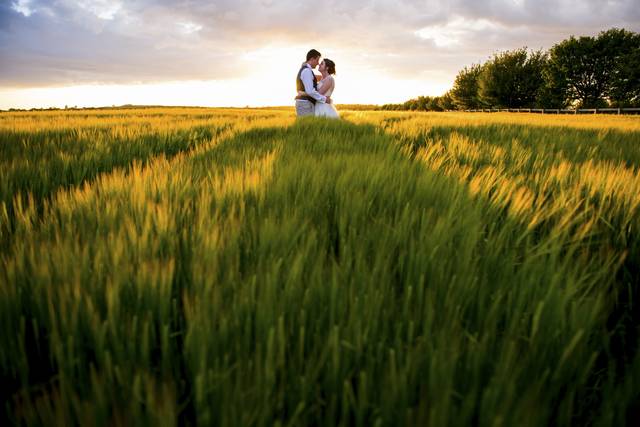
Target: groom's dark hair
<point>313,54</point>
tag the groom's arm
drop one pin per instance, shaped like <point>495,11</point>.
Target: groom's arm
<point>307,80</point>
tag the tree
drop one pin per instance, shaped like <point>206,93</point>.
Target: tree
<point>446,102</point>
<point>624,77</point>
<point>465,88</point>
<point>554,92</point>
<point>512,79</point>
<point>422,103</point>
<point>581,72</point>
<point>434,104</point>
<point>594,71</point>
<point>626,89</point>
<point>583,67</point>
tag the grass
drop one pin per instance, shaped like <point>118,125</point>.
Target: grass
<point>230,267</point>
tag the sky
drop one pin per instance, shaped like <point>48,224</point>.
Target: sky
<point>247,52</point>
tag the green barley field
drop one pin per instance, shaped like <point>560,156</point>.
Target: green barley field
<point>230,267</point>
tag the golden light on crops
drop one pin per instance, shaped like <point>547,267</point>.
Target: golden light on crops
<point>286,245</point>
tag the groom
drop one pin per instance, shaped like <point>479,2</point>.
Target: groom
<point>306,82</point>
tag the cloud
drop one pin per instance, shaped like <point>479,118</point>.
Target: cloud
<point>457,30</point>
<point>59,42</point>
<point>22,6</point>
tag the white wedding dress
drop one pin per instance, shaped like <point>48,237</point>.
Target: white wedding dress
<point>322,108</point>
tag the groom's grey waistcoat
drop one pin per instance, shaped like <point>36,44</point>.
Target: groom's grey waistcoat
<point>300,86</point>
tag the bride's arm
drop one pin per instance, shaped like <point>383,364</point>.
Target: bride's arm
<point>325,87</point>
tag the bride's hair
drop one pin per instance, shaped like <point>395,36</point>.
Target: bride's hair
<point>331,66</point>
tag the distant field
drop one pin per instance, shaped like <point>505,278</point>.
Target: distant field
<point>239,267</point>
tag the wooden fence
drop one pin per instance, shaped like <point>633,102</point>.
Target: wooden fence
<point>559,110</point>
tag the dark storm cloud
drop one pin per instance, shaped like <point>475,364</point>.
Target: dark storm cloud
<point>73,41</point>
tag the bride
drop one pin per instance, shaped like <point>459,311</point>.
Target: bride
<point>325,87</point>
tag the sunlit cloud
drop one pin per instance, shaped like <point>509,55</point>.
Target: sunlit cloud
<point>189,27</point>
<point>456,31</point>
<point>22,6</point>
<point>103,9</point>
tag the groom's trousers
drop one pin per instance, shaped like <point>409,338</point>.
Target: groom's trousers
<point>304,108</point>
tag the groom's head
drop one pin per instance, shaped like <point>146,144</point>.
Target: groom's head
<point>313,58</point>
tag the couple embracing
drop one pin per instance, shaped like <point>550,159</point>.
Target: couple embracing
<point>314,97</point>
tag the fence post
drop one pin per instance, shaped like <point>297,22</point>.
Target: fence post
<point>619,110</point>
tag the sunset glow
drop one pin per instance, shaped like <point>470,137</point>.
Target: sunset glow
<point>269,81</point>
<point>247,53</point>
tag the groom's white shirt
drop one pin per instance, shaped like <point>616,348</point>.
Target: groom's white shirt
<point>307,78</point>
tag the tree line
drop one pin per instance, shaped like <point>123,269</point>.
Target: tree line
<point>579,72</point>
